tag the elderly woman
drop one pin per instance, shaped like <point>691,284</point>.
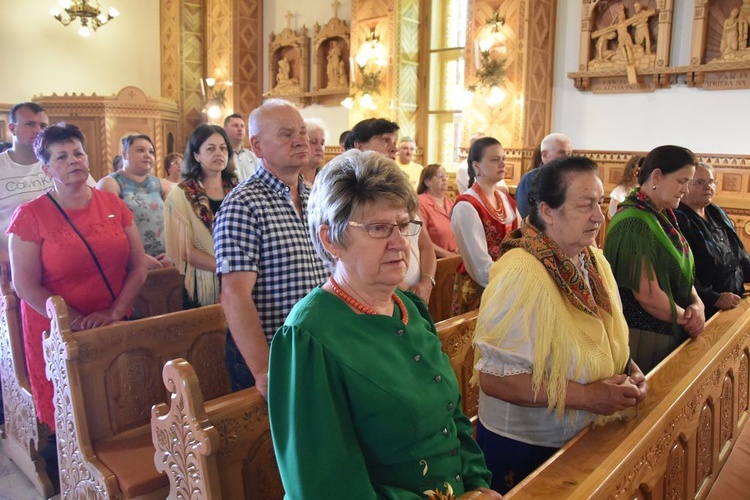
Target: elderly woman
<point>173,168</point>
<point>143,193</point>
<point>552,342</point>
<point>318,135</point>
<point>481,218</point>
<point>435,209</point>
<point>652,260</point>
<point>722,265</point>
<point>76,242</point>
<point>189,211</point>
<point>363,402</point>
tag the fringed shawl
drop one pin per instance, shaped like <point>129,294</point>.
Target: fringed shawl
<point>189,222</point>
<point>578,336</point>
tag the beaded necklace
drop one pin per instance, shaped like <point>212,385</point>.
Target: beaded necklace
<point>366,309</point>
<point>496,213</point>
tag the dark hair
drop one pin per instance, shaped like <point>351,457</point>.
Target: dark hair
<point>536,158</point>
<point>116,163</point>
<point>233,115</point>
<point>551,184</point>
<point>476,152</point>
<point>168,161</point>
<point>31,106</point>
<point>57,133</point>
<point>343,136</point>
<point>668,159</point>
<point>367,129</point>
<point>428,173</point>
<point>128,141</point>
<point>630,172</point>
<point>191,169</point>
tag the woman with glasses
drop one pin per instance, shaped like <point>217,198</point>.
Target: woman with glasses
<point>363,403</point>
<point>722,265</point>
<point>435,209</point>
<point>481,218</point>
<point>652,261</point>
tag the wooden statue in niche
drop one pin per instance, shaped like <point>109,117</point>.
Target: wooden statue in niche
<point>288,61</point>
<point>615,33</point>
<point>734,35</point>
<point>331,60</point>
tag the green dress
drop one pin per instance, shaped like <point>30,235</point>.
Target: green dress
<point>362,406</point>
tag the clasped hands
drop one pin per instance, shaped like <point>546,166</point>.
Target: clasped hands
<point>693,319</point>
<point>617,393</point>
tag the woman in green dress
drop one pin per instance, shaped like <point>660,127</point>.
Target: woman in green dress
<point>652,261</point>
<point>363,402</point>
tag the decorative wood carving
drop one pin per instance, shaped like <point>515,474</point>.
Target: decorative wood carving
<point>192,32</point>
<point>624,46</point>
<point>406,60</point>
<point>331,62</point>
<point>720,50</point>
<point>743,379</point>
<point>248,49</point>
<point>288,63</point>
<point>105,120</point>
<point>455,335</point>
<point>704,446</point>
<point>674,478</point>
<point>727,417</point>
<point>22,437</point>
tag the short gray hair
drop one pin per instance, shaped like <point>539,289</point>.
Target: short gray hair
<point>317,124</point>
<point>254,121</point>
<point>351,181</point>
<point>553,139</point>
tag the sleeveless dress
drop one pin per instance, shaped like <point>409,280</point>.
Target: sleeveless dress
<point>144,200</point>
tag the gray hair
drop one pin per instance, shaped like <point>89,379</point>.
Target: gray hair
<point>317,124</point>
<point>254,121</point>
<point>553,139</point>
<point>351,181</point>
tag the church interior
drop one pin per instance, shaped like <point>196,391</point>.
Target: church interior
<point>443,70</point>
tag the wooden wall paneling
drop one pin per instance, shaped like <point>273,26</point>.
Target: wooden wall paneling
<point>219,48</point>
<point>192,38</point>
<point>407,68</point>
<point>247,61</point>
<point>533,102</point>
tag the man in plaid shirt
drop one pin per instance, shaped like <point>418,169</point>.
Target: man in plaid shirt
<point>263,250</point>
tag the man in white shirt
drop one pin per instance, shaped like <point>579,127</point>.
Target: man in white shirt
<point>245,161</point>
<point>21,176</point>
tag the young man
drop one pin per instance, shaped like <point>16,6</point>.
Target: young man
<point>245,162</point>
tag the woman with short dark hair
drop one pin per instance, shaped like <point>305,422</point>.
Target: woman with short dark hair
<point>653,262</point>
<point>551,338</point>
<point>435,209</point>
<point>189,211</point>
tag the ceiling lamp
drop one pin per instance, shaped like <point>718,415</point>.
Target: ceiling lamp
<point>88,12</point>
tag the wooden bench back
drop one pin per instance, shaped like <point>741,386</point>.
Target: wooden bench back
<point>681,436</point>
<point>442,293</point>
<point>114,371</point>
<point>22,437</point>
<point>456,335</point>
<point>161,293</point>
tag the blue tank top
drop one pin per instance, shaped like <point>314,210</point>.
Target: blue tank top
<point>144,200</point>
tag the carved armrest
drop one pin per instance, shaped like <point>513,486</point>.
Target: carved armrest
<point>184,439</point>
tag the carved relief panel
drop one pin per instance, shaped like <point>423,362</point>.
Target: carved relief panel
<point>288,63</point>
<point>720,52</point>
<point>624,45</point>
<point>331,67</point>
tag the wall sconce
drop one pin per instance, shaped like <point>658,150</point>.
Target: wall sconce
<point>490,60</point>
<point>214,97</point>
<point>371,53</point>
<point>87,13</point>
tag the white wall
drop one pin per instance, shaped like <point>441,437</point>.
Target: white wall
<point>307,13</point>
<point>702,120</point>
<point>40,56</point>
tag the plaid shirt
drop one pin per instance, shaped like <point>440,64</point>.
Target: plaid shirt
<point>257,229</point>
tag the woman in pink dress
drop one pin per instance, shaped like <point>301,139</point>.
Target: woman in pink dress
<point>481,218</point>
<point>48,255</point>
<point>435,210</point>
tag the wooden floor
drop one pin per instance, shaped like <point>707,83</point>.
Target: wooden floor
<point>732,482</point>
<point>13,484</point>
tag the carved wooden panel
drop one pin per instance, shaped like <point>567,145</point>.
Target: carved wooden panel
<point>704,446</point>
<point>743,383</point>
<point>248,50</point>
<point>133,387</point>
<point>407,67</point>
<point>171,49</point>
<point>219,43</point>
<point>726,417</point>
<point>205,355</point>
<point>289,63</point>
<point>674,477</point>
<point>192,36</point>
<point>331,62</point>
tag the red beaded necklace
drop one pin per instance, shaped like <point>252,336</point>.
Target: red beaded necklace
<point>366,309</point>
<point>496,213</point>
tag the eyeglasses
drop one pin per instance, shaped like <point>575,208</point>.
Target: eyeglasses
<point>703,183</point>
<point>382,230</point>
<point>441,176</point>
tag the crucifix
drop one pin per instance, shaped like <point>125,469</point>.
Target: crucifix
<point>289,16</point>
<point>336,4</point>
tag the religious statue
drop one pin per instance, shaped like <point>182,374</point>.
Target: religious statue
<point>744,23</point>
<point>624,42</point>
<point>342,74</point>
<point>282,76</point>
<point>603,53</point>
<point>335,66</point>
<point>626,53</point>
<point>730,35</point>
<point>642,36</point>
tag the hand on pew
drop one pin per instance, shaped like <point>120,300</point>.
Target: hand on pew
<point>94,320</point>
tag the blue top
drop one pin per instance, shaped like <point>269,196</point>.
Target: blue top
<point>145,201</point>
<point>523,190</point>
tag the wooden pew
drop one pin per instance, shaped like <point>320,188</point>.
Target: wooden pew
<point>456,336</point>
<point>161,293</point>
<point>681,436</point>
<point>105,383</point>
<point>442,293</point>
<point>22,437</point>
<point>222,449</point>
<point>219,449</point>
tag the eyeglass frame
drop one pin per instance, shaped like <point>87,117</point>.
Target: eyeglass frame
<point>704,183</point>
<point>368,227</point>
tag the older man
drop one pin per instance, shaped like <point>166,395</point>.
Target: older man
<point>245,161</point>
<point>405,159</point>
<point>379,134</point>
<point>553,146</point>
<point>263,250</point>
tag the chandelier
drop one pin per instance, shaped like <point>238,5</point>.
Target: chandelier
<point>89,13</point>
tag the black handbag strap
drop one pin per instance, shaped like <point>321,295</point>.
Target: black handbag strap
<point>88,247</point>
